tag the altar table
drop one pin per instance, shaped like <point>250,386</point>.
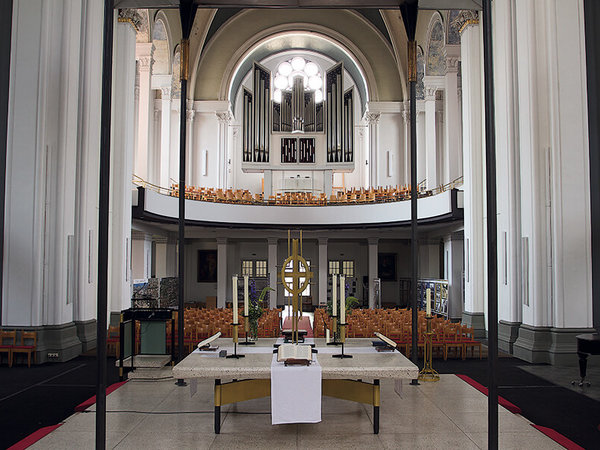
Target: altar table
<point>342,378</point>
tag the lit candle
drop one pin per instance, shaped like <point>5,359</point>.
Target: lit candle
<point>235,299</point>
<point>428,302</point>
<point>334,295</point>
<point>327,336</point>
<point>342,299</point>
<point>245,295</point>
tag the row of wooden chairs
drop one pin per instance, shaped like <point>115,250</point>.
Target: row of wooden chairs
<point>448,338</point>
<point>346,196</point>
<point>27,344</point>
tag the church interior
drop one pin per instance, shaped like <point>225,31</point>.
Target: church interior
<point>190,189</point>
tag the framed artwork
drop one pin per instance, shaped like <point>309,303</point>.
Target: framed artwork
<point>386,266</point>
<point>207,266</point>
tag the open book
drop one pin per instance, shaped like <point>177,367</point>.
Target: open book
<point>386,339</point>
<point>294,353</point>
<point>205,344</point>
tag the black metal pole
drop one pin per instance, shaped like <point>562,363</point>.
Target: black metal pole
<point>104,191</point>
<point>187,11</point>
<point>492,250</point>
<point>410,11</point>
<point>5,42</point>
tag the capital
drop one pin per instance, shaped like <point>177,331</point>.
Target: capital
<point>224,117</point>
<point>166,92</point>
<point>372,117</point>
<point>430,92</point>
<point>464,19</point>
<point>189,115</point>
<point>130,16</point>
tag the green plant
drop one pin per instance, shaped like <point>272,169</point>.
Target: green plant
<point>255,306</point>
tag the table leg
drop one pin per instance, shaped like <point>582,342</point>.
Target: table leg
<point>583,367</point>
<point>217,406</point>
<point>376,408</point>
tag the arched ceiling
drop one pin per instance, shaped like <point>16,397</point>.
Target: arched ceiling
<point>245,30</point>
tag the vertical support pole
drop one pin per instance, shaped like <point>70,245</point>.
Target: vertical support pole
<point>376,397</point>
<point>492,248</point>
<point>217,406</point>
<point>104,192</point>
<point>410,11</point>
<point>5,43</point>
<point>414,194</point>
<point>121,347</point>
<point>187,12</point>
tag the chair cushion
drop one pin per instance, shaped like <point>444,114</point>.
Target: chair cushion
<point>6,346</point>
<point>23,347</point>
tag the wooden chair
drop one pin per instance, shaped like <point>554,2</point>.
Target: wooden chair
<point>28,345</point>
<point>470,342</point>
<point>8,339</point>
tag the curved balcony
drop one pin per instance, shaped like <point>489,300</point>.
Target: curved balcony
<point>155,207</point>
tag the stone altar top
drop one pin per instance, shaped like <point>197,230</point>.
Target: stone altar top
<point>257,362</point>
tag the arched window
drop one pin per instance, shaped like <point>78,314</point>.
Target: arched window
<point>160,39</point>
<point>436,62</point>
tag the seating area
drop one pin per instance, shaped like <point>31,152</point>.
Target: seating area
<point>449,339</point>
<point>17,342</point>
<point>342,197</point>
<point>202,323</point>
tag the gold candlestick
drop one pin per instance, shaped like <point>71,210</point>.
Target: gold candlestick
<point>235,343</point>
<point>428,373</point>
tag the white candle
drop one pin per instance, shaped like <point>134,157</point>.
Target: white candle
<point>245,295</point>
<point>327,336</point>
<point>334,295</point>
<point>342,299</point>
<point>428,302</point>
<point>235,300</point>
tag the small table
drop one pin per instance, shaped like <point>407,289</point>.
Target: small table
<point>342,378</point>
<point>587,344</point>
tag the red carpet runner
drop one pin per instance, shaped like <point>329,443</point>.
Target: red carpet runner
<point>481,388</point>
<point>303,324</point>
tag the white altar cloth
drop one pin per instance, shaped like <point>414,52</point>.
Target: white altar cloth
<point>295,393</point>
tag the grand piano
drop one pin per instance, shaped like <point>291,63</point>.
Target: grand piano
<point>587,344</point>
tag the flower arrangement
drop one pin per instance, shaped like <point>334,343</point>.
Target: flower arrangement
<point>255,306</point>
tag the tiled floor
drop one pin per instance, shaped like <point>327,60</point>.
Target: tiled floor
<point>158,415</point>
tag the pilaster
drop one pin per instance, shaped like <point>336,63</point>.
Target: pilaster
<point>272,263</point>
<point>165,137</point>
<point>323,271</point>
<point>452,150</point>
<point>373,123</point>
<point>373,268</point>
<point>224,118</point>
<point>144,54</point>
<point>221,272</point>
<point>473,170</point>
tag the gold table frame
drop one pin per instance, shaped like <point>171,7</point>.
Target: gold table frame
<point>242,390</point>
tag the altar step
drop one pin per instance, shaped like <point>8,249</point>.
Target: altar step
<point>163,373</point>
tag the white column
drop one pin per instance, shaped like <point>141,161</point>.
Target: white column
<point>452,150</point>
<point>373,122</point>
<point>141,254</point>
<point>171,263</point>
<point>272,263</point>
<point>221,272</point>
<point>165,137</point>
<point>122,150</point>
<point>430,138</point>
<point>224,117</point>
<point>323,271</point>
<point>191,156</point>
<point>328,182</point>
<point>507,168</point>
<point>373,268</point>
<point>421,148</point>
<point>473,170</point>
<point>88,173</point>
<point>268,183</point>
<point>453,266</point>
<point>406,130</point>
<point>143,54</point>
